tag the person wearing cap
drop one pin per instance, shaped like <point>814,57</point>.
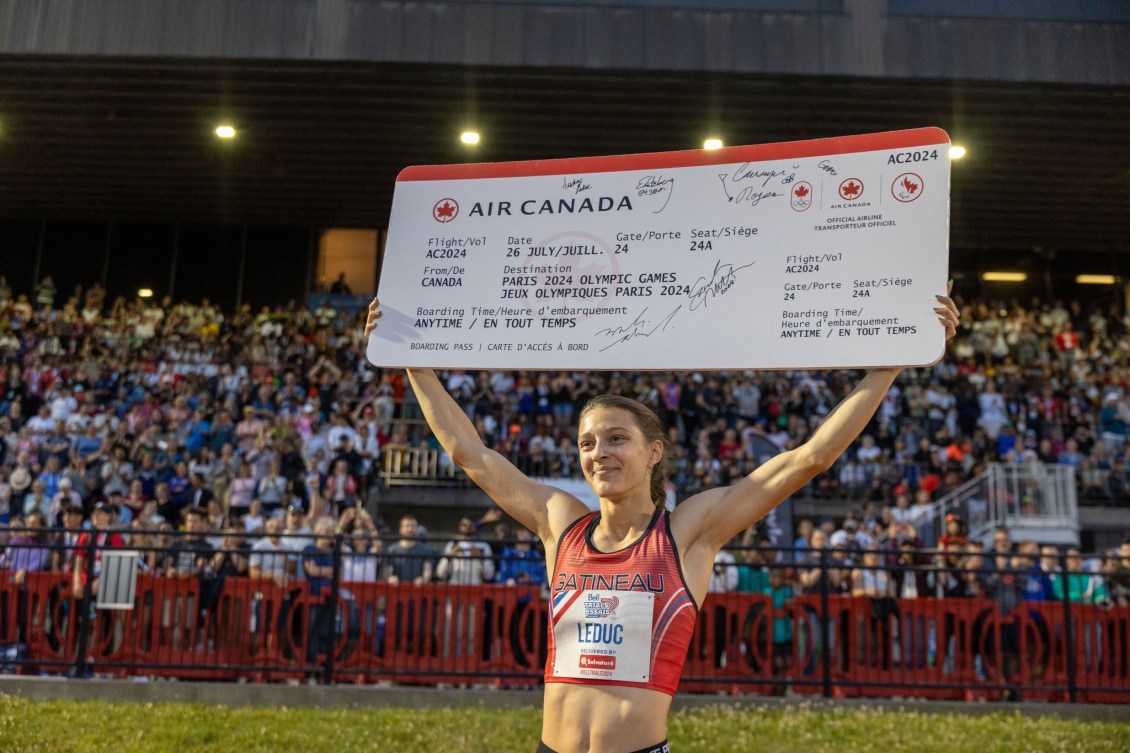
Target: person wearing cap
<point>248,429</point>
<point>101,518</point>
<point>849,535</point>
<point>297,532</point>
<point>67,542</point>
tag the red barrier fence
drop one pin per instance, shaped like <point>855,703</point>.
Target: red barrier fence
<point>838,645</point>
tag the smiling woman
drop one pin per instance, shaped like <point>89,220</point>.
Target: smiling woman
<point>627,579</point>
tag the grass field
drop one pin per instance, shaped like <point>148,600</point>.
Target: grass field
<point>90,727</point>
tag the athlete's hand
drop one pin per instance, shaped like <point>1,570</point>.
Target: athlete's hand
<point>374,315</point>
<point>946,311</point>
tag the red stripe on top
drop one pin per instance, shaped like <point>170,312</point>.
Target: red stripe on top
<point>870,142</point>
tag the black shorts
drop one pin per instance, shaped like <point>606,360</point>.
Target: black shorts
<point>657,748</point>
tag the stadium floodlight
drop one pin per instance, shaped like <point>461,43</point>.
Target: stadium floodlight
<point>712,143</point>
<point>957,151</point>
<point>144,293</point>
<point>225,131</point>
<point>1004,276</point>
<point>470,138</point>
<point>1096,279</point>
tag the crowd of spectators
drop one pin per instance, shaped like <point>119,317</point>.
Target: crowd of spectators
<point>181,417</point>
<point>251,444</point>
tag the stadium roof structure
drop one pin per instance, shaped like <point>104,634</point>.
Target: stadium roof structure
<point>319,144</point>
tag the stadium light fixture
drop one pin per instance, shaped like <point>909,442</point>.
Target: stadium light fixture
<point>470,138</point>
<point>225,131</point>
<point>1096,279</point>
<point>957,151</point>
<point>712,143</point>
<point>144,293</point>
<point>1004,276</point>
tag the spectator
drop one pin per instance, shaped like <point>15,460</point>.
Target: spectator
<point>192,555</point>
<point>101,519</point>
<point>724,577</point>
<point>1078,585</point>
<point>467,560</point>
<point>409,560</point>
<point>339,487</point>
<point>271,491</point>
<point>1035,582</point>
<point>270,558</point>
<point>521,563</point>
<point>362,564</point>
<point>64,498</point>
<point>297,534</point>
<point>28,551</point>
<point>198,494</point>
<point>1118,574</point>
<point>117,473</point>
<point>317,565</point>
<point>241,492</point>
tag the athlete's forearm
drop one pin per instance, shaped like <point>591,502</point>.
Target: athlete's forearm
<point>848,419</point>
<point>445,417</point>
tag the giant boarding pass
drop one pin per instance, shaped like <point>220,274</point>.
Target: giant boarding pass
<point>807,254</point>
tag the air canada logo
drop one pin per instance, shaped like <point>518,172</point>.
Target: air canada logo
<point>851,189</point>
<point>597,607</point>
<point>445,210</point>
<point>907,187</point>
<point>801,197</point>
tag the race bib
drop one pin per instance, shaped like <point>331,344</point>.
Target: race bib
<point>603,635</point>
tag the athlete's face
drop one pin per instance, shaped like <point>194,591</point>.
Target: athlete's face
<point>615,456</point>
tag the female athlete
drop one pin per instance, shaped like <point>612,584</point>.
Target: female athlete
<point>626,581</point>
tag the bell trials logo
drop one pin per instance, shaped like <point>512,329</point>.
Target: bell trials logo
<point>445,210</point>
<point>597,607</point>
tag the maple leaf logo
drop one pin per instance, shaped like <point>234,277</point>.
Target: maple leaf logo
<point>801,192</point>
<point>907,187</point>
<point>445,210</point>
<point>850,189</point>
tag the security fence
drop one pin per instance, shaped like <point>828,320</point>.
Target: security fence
<point>319,609</point>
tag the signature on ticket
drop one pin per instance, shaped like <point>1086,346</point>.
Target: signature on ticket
<point>652,185</point>
<point>641,326</point>
<point>721,280</point>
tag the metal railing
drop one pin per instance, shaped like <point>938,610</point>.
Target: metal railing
<point>1034,500</point>
<point>419,466</point>
<point>793,626</point>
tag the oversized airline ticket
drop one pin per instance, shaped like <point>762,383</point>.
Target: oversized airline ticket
<point>807,254</point>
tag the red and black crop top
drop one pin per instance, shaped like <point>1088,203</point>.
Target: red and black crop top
<point>619,618</point>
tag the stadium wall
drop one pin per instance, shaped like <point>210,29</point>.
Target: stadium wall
<point>1084,42</point>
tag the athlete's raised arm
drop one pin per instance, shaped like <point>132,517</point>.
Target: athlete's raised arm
<point>710,519</point>
<point>540,508</point>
